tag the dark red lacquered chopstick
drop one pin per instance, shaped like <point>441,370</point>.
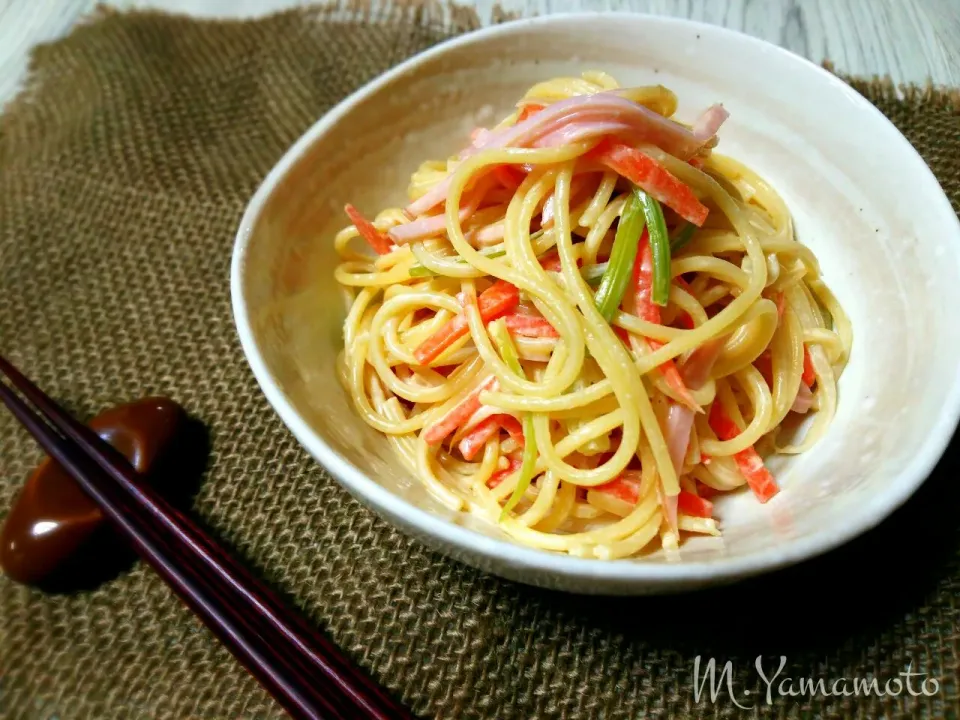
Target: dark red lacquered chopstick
<point>313,650</point>
<point>306,672</point>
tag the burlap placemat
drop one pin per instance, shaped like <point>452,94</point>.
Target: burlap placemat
<point>124,169</point>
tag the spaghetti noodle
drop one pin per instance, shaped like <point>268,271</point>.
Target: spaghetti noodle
<point>588,323</point>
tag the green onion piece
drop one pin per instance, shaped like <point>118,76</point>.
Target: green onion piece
<point>617,276</point>
<point>682,237</point>
<point>527,466</point>
<point>508,351</point>
<point>501,338</point>
<point>419,270</point>
<point>659,247</point>
<point>593,274</point>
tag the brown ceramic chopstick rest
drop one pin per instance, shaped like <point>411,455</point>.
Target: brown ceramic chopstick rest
<point>55,537</point>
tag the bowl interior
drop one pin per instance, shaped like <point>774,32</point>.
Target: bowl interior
<point>861,199</point>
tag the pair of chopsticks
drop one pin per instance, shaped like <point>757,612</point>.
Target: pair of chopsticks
<point>307,674</point>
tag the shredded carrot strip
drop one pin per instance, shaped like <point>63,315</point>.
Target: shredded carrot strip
<point>376,239</point>
<point>748,461</point>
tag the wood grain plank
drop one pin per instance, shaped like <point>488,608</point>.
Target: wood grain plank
<point>912,41</point>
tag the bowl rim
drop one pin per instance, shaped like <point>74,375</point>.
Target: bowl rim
<point>519,557</point>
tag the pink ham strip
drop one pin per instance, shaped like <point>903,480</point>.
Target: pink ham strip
<point>666,134</point>
<point>695,372</point>
<point>490,234</point>
<point>679,423</point>
<point>549,205</point>
<point>709,122</point>
<point>804,400</point>
<point>479,135</point>
<point>425,227</point>
<point>577,131</point>
<point>546,217</point>
<point>606,107</point>
<point>669,504</point>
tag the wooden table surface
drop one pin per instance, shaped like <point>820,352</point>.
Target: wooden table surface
<point>912,41</point>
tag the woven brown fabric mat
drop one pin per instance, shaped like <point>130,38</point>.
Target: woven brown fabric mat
<point>124,170</point>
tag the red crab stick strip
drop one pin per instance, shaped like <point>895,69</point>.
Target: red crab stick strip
<point>804,400</point>
<point>705,491</point>
<point>499,477</point>
<point>551,262</point>
<point>748,461</point>
<point>650,311</point>
<point>809,374</point>
<point>513,427</point>
<point>457,415</point>
<point>477,438</point>
<point>626,487</point>
<point>530,326</point>
<point>690,504</point>
<point>649,175</point>
<point>528,110</point>
<point>496,300</point>
<point>376,239</point>
<point>509,176</point>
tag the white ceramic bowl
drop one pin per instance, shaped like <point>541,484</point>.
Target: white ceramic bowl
<point>862,200</point>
